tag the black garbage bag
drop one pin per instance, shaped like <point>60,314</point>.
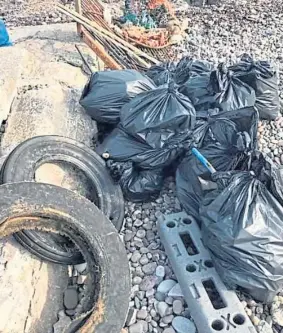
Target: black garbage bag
<point>230,92</point>
<point>242,226</point>
<point>122,147</point>
<point>197,89</point>
<point>263,79</point>
<point>162,73</point>
<point>226,141</point>
<point>107,91</point>
<point>192,177</point>
<point>137,185</point>
<point>223,127</point>
<point>187,67</point>
<point>158,115</point>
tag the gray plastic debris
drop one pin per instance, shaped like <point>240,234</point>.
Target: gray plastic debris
<point>212,306</point>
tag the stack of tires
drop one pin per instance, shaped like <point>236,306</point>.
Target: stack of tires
<point>63,227</point>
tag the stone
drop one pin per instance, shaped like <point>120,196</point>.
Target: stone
<point>137,328</point>
<point>144,260</point>
<point>166,286</point>
<point>169,330</point>
<point>167,319</point>
<point>255,320</point>
<point>169,300</point>
<point>259,309</point>
<point>148,283</point>
<point>128,236</point>
<point>81,279</point>
<point>132,316</point>
<point>140,294</point>
<point>137,302</point>
<point>136,256</point>
<point>150,293</point>
<point>162,308</point>
<point>264,327</point>
<point>70,313</point>
<point>183,325</point>
<point>71,298</point>
<point>150,235</point>
<point>141,233</point>
<point>137,280</point>
<point>160,271</point>
<point>138,223</point>
<point>248,311</point>
<point>178,307</point>
<point>142,314</point>
<point>81,268</point>
<point>160,296</point>
<point>149,268</point>
<point>134,290</point>
<point>176,291</point>
<point>61,323</point>
<point>277,315</point>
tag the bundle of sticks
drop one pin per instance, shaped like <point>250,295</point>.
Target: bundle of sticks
<point>113,50</point>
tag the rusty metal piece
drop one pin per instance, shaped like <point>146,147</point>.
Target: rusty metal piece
<point>84,59</point>
<point>100,50</point>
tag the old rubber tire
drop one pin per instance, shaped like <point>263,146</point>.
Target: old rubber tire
<point>46,207</point>
<point>21,165</point>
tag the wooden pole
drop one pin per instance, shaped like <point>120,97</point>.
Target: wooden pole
<point>78,6</point>
<point>100,51</point>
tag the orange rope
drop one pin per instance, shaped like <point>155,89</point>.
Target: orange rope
<point>156,3</point>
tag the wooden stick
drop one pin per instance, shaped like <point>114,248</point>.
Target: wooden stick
<point>100,51</point>
<point>109,34</point>
<point>91,27</point>
<point>78,6</point>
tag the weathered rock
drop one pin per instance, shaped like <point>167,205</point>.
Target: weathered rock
<point>162,308</point>
<point>160,271</point>
<point>178,307</point>
<point>183,325</point>
<point>166,286</point>
<point>277,315</point>
<point>149,268</point>
<point>142,314</point>
<point>71,298</point>
<point>29,110</point>
<point>132,317</point>
<point>176,291</point>
<point>136,256</point>
<point>169,330</point>
<point>264,327</point>
<point>12,60</point>
<point>30,289</point>
<point>148,283</point>
<point>139,327</point>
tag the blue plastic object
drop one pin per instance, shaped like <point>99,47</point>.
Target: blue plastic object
<point>203,160</point>
<point>4,36</point>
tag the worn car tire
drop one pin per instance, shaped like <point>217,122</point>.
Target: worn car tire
<point>21,165</point>
<point>31,205</point>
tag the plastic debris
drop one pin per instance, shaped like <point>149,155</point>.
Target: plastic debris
<point>263,79</point>
<point>107,91</point>
<point>4,36</point>
<point>242,227</point>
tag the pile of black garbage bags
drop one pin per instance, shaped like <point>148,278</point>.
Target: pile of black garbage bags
<point>151,122</point>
